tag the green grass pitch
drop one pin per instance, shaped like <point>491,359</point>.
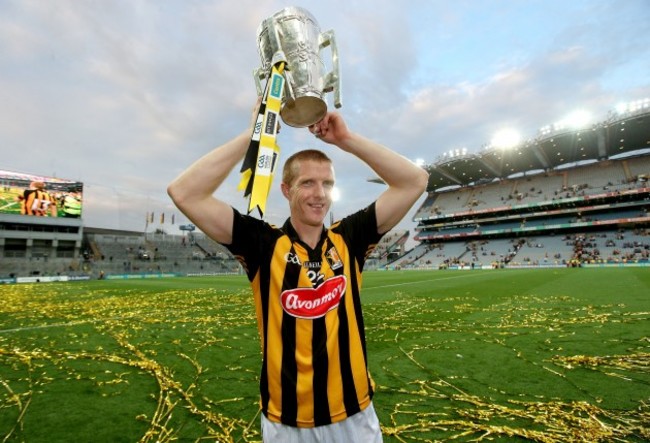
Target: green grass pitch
<point>557,355</point>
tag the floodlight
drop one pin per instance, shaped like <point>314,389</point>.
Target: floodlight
<point>336,194</point>
<point>506,139</point>
<point>633,106</point>
<point>578,119</point>
<point>639,104</point>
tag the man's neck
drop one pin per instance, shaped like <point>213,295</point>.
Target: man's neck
<point>310,235</point>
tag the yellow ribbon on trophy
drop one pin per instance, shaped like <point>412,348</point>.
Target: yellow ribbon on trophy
<point>263,152</point>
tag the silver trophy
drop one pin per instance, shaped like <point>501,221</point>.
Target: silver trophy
<point>292,35</point>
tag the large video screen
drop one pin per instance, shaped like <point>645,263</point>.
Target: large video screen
<point>39,196</point>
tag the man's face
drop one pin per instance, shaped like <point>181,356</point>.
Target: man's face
<point>310,194</point>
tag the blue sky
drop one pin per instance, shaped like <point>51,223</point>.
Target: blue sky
<point>123,94</point>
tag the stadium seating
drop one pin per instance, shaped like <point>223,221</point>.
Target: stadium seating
<point>161,253</point>
<point>519,211</point>
<point>389,247</point>
<point>107,254</point>
<point>562,199</point>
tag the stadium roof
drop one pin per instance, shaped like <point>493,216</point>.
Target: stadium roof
<point>620,133</point>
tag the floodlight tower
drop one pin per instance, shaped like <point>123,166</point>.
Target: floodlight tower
<point>506,139</point>
<point>336,196</point>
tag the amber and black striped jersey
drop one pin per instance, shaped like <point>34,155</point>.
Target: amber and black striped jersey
<point>37,202</point>
<point>314,365</point>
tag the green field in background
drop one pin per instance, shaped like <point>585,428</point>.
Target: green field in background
<point>558,355</point>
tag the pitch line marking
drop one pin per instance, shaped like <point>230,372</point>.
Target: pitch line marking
<point>416,282</point>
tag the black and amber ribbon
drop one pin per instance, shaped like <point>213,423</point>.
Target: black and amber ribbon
<point>262,156</point>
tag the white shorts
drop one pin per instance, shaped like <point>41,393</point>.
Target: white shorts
<point>361,427</point>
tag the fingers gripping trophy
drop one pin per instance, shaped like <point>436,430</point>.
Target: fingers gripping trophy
<point>290,44</point>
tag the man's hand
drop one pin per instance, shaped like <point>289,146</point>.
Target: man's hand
<point>406,181</point>
<point>331,129</point>
<point>256,111</point>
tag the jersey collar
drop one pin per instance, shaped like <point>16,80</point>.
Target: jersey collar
<point>290,231</point>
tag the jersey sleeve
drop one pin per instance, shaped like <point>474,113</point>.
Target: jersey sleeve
<point>360,232</point>
<point>249,235</point>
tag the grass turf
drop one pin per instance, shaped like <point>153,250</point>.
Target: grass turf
<point>508,355</point>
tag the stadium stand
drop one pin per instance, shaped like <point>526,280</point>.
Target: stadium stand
<point>121,252</point>
<point>105,253</point>
<point>36,246</point>
<point>565,198</point>
<point>390,247</point>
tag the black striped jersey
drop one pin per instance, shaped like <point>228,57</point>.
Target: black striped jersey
<point>37,202</point>
<point>314,365</point>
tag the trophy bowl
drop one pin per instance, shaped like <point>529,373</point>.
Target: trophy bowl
<point>292,35</point>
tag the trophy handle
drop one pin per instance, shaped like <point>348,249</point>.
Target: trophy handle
<point>332,81</point>
<point>259,74</point>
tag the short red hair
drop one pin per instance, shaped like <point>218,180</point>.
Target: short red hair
<point>290,169</point>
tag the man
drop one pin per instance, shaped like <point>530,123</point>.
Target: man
<point>314,384</point>
<point>37,201</point>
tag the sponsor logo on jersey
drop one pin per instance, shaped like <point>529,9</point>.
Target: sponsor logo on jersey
<point>310,303</point>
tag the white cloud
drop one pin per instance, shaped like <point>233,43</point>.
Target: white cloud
<point>123,95</point>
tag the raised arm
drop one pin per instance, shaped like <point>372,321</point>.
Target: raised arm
<point>406,181</point>
<point>192,191</point>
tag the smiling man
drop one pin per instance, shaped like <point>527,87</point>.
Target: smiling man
<point>306,279</point>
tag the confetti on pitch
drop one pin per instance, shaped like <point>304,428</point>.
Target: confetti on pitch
<point>195,354</point>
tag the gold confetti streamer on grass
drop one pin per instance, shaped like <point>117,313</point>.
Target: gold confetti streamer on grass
<point>466,417</point>
<point>199,349</point>
<point>639,362</point>
<point>123,318</point>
